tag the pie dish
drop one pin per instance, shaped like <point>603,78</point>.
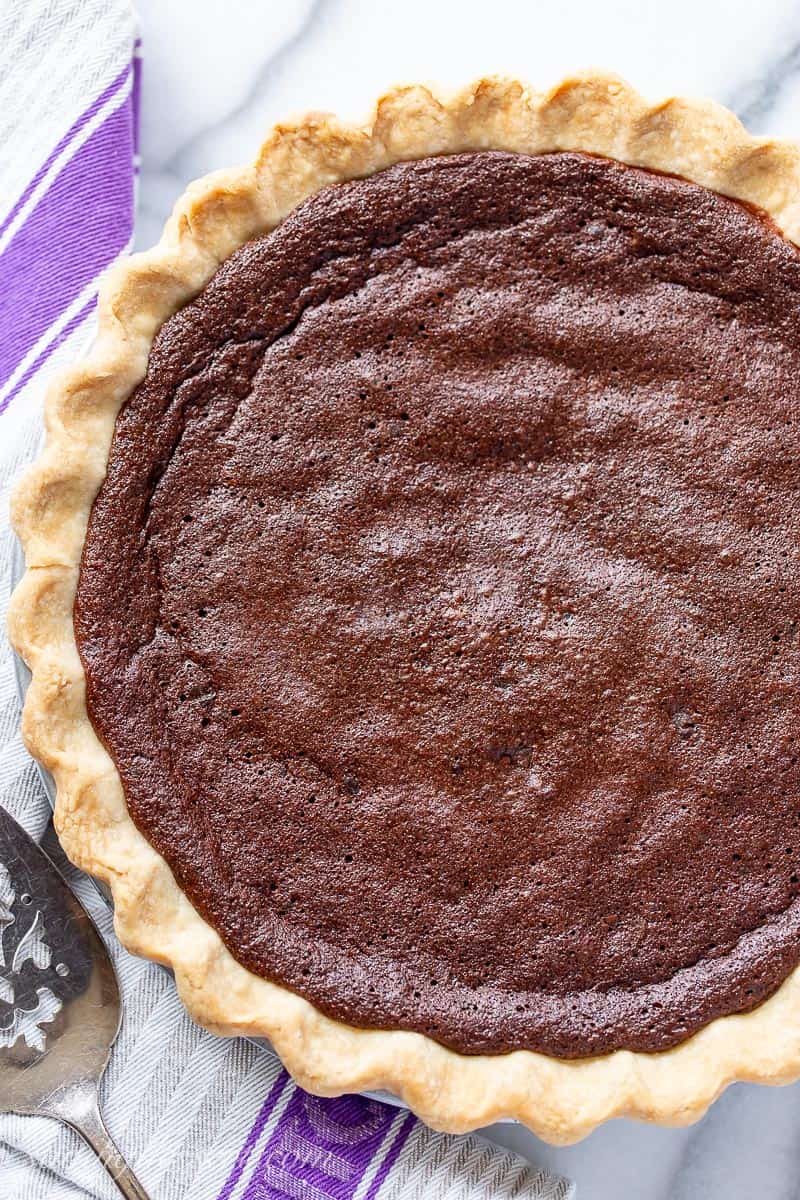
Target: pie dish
<point>410,594</point>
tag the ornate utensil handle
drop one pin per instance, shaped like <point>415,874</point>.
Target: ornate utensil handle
<point>95,1134</point>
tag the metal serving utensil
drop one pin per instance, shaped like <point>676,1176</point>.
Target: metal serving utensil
<point>60,1008</point>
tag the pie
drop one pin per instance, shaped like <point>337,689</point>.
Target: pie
<point>412,598</point>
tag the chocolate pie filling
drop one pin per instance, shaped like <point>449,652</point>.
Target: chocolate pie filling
<point>439,609</point>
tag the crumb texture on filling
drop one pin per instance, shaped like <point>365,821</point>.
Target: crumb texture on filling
<point>439,607</point>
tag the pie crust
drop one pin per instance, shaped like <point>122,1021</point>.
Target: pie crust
<point>561,1100</point>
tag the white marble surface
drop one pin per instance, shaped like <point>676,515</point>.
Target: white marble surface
<point>217,74</point>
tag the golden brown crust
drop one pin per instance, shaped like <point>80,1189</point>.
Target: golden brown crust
<point>559,1100</point>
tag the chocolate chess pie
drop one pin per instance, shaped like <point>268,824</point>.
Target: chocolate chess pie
<point>412,600</point>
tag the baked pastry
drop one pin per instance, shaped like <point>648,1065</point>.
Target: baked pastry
<point>411,604</point>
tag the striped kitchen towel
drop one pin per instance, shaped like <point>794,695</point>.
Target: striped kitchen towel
<point>197,1116</point>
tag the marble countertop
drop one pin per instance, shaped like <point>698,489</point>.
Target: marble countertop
<point>217,74</point>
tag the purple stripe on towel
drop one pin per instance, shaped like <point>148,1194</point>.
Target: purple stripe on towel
<point>324,1146</point>
<point>74,129</point>
<point>42,358</point>
<point>136,95</point>
<point>401,1137</point>
<point>263,1116</point>
<point>320,1148</point>
<point>73,233</point>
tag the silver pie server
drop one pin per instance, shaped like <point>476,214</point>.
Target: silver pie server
<point>60,1008</point>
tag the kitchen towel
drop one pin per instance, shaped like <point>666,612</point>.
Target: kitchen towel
<point>197,1116</point>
